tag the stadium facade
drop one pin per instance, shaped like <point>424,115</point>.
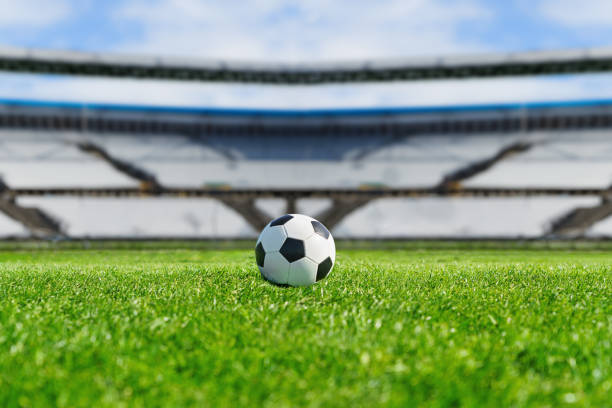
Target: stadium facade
<point>540,169</point>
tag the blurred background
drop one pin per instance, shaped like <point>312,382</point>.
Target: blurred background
<point>388,119</point>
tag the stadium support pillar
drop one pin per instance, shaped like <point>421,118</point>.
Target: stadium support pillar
<point>36,221</point>
<point>291,205</point>
<point>453,180</point>
<point>248,210</point>
<point>578,221</point>
<point>148,182</point>
<point>340,208</point>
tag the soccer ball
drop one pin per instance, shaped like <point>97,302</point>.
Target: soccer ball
<point>295,250</point>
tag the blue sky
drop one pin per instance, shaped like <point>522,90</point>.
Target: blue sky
<point>312,30</point>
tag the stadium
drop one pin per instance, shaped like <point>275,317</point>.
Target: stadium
<point>449,254</point>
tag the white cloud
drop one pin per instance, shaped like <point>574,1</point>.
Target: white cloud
<point>301,30</point>
<point>578,13</point>
<point>32,13</point>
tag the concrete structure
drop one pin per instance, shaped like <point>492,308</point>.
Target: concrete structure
<point>247,166</point>
<point>477,66</point>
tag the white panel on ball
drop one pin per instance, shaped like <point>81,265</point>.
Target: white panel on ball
<point>303,273</point>
<point>317,248</point>
<point>276,268</point>
<point>299,227</point>
<point>272,238</point>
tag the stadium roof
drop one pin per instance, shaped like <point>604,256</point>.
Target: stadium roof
<point>406,69</point>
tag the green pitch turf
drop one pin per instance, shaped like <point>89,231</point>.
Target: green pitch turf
<point>415,324</point>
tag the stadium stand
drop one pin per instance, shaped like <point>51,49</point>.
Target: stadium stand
<point>32,160</point>
<point>60,159</point>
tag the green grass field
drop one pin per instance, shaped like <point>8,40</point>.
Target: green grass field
<point>431,324</point>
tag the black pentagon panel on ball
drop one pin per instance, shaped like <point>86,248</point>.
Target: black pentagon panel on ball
<point>324,268</point>
<point>320,229</point>
<point>281,220</point>
<point>260,254</point>
<point>293,249</point>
